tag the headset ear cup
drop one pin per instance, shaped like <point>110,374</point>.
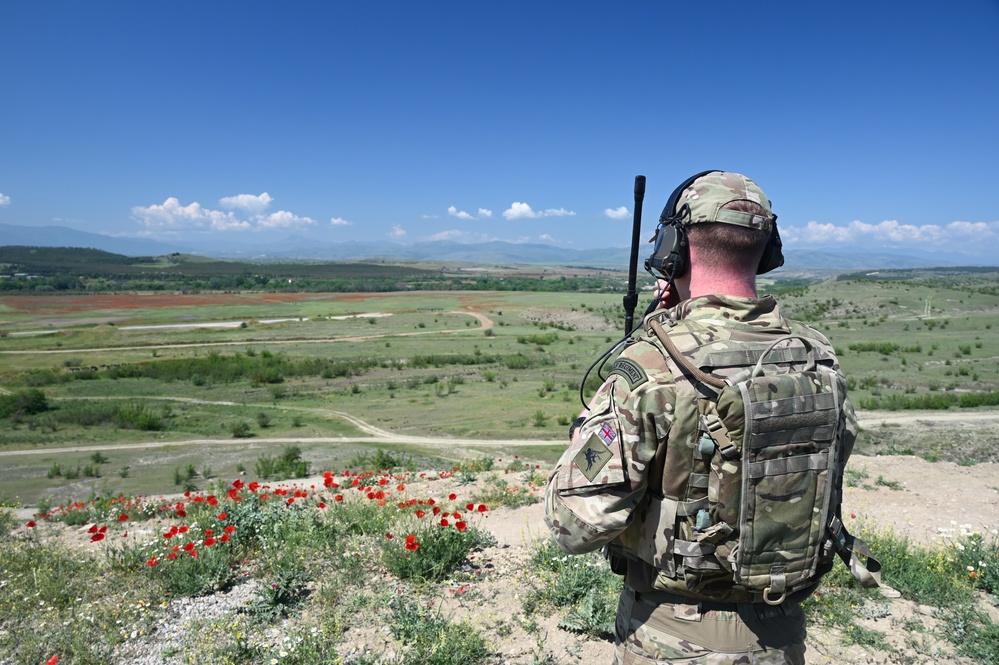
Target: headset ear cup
<point>670,256</point>
<point>680,254</point>
<point>773,254</point>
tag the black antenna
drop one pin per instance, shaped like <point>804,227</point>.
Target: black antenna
<point>631,298</point>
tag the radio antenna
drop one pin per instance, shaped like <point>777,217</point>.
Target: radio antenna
<point>631,297</point>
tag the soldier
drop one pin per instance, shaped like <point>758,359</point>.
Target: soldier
<point>637,476</point>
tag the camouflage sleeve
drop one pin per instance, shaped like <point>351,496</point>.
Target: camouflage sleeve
<point>603,474</point>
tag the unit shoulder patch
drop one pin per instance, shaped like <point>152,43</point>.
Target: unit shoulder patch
<point>631,371</point>
<point>592,457</point>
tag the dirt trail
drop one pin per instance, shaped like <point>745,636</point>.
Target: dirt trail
<point>379,435</point>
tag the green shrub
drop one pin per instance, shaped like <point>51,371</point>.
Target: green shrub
<point>582,587</point>
<point>26,402</point>
<point>289,464</point>
<point>438,551</point>
<point>430,639</point>
<point>241,430</point>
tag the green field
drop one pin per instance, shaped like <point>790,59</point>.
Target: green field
<point>420,364</point>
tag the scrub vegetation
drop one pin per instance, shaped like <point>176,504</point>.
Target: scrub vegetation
<point>123,414</point>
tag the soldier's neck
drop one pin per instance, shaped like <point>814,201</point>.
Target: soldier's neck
<point>705,283</point>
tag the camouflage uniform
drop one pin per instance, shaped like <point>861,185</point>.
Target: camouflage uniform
<point>620,466</point>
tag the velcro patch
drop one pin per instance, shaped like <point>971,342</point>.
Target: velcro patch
<point>592,457</point>
<point>631,371</point>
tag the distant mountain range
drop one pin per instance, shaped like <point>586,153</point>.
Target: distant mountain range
<point>492,253</point>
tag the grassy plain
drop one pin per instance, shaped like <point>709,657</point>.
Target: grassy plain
<point>469,384</point>
<point>445,366</point>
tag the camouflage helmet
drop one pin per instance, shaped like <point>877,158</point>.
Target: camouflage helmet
<point>706,198</point>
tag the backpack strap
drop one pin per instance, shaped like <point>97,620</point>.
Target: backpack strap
<point>683,361</point>
<point>847,547</point>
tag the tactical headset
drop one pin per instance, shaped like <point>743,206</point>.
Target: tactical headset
<point>671,254</point>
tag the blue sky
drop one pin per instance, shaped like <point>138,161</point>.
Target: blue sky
<point>871,125</point>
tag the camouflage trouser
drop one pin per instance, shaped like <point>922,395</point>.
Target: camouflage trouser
<point>651,633</point>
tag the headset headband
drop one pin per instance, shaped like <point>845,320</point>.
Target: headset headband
<point>669,215</point>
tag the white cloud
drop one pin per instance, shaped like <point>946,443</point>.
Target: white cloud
<point>518,210</point>
<point>229,224</point>
<point>617,213</point>
<point>282,219</point>
<point>889,231</point>
<point>976,230</point>
<point>172,216</point>
<point>397,231</point>
<point>453,234</point>
<point>483,213</point>
<point>254,204</point>
<point>340,221</point>
<point>545,236</point>
<point>4,200</point>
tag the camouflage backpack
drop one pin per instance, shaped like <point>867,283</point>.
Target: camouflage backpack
<point>767,520</point>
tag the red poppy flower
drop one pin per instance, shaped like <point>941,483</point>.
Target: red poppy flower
<point>383,481</point>
<point>238,484</point>
<point>188,547</point>
<point>171,556</point>
<point>412,545</point>
<point>193,553</point>
<point>92,529</point>
<point>222,517</point>
<point>183,529</point>
<point>123,517</point>
<point>52,661</point>
<point>437,510</point>
<point>401,487</point>
<point>389,536</point>
<point>224,539</point>
<point>460,526</point>
<point>456,515</point>
<point>321,504</point>
<point>482,508</point>
<point>420,513</point>
<point>181,513</point>
<point>254,485</point>
<point>209,542</point>
<point>96,537</point>
<point>338,497</point>
<point>452,496</point>
<point>31,525</point>
<point>469,507</point>
<point>444,522</point>
<point>152,562</point>
<point>290,500</point>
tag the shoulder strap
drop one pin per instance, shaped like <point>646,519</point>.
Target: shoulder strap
<point>681,360</point>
